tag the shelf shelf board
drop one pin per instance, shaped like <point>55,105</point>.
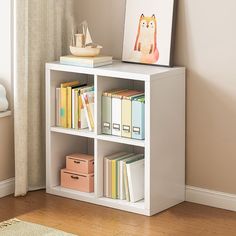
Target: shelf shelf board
<point>5,114</point>
<point>116,139</point>
<point>65,192</point>
<point>82,133</point>
<point>137,207</point>
<point>107,201</point>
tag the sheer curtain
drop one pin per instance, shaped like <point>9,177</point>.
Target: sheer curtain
<point>42,33</point>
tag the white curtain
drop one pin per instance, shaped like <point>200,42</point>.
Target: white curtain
<point>42,34</point>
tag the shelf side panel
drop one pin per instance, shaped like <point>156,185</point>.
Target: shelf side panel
<point>166,142</point>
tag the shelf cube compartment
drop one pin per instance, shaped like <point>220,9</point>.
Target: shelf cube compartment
<point>63,145</point>
<point>106,148</point>
<point>122,125</point>
<point>56,79</point>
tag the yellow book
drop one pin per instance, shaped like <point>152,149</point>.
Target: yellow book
<point>69,107</point>
<point>63,108</point>
<point>66,91</point>
<point>113,179</point>
<point>71,83</point>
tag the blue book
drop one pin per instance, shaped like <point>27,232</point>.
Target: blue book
<point>138,118</point>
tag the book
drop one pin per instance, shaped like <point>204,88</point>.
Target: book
<point>115,178</point>
<point>86,61</point>
<point>58,106</point>
<point>107,188</point>
<point>88,104</point>
<point>135,175</point>
<point>126,120</point>
<point>63,108</point>
<point>124,191</point>
<point>138,118</point>
<point>65,116</point>
<point>86,111</point>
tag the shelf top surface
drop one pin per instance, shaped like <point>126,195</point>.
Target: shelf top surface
<point>119,69</point>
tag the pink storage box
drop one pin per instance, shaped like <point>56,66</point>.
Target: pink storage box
<point>75,181</point>
<point>81,163</point>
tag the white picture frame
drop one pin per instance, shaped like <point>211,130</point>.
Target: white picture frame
<point>149,32</point>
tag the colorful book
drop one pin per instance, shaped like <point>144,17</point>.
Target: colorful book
<point>63,108</point>
<point>127,113</point>
<point>88,103</point>
<point>138,118</point>
<point>84,114</point>
<point>65,114</point>
<point>58,106</point>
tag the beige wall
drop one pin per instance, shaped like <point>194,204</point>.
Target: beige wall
<point>6,124</point>
<point>206,45</point>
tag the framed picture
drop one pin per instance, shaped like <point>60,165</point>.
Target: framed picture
<point>149,31</point>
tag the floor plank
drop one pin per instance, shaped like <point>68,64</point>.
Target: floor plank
<point>85,219</point>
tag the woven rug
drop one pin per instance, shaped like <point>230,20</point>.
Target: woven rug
<point>20,228</point>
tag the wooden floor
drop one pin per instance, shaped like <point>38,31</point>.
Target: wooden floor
<point>85,219</point>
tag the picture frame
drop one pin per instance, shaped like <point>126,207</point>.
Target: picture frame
<point>149,32</point>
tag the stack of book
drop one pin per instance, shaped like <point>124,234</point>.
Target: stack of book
<point>123,113</point>
<point>86,61</point>
<point>124,176</point>
<point>75,106</point>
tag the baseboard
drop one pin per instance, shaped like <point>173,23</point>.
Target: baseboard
<point>193,194</point>
<point>7,187</point>
<point>211,198</point>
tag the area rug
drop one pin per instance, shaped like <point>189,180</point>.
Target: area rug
<point>21,228</point>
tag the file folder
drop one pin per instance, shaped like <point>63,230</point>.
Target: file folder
<point>117,111</point>
<point>138,118</point>
<point>107,110</point>
<point>127,114</point>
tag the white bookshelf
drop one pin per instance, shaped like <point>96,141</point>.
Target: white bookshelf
<point>164,144</point>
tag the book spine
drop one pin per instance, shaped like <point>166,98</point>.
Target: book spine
<point>86,111</point>
<point>69,107</point>
<point>58,105</point>
<point>113,186</point>
<point>127,196</point>
<point>105,176</point>
<point>89,107</point>
<point>63,110</point>
<point>76,107</point>
<point>73,109</point>
<point>83,119</point>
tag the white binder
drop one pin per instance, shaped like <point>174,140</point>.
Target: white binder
<point>116,116</point>
<point>135,173</point>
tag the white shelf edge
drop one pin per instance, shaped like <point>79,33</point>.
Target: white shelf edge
<point>75,132</point>
<point>103,137</point>
<point>138,207</point>
<point>116,139</point>
<point>5,114</point>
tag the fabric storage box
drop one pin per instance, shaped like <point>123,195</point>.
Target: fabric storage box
<point>81,163</point>
<point>76,181</point>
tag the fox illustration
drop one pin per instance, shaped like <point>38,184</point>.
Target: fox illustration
<point>146,40</point>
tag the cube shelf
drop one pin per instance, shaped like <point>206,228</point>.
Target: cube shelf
<point>163,147</point>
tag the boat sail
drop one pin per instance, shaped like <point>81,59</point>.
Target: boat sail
<point>82,43</point>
